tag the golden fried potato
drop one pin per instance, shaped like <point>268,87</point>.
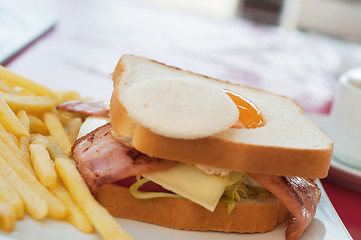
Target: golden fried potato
<point>16,80</point>
<point>10,121</point>
<point>104,223</point>
<point>57,130</point>
<point>29,103</point>
<point>76,216</point>
<point>43,166</point>
<point>9,194</point>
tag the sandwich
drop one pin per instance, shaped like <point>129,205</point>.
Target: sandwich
<point>186,151</point>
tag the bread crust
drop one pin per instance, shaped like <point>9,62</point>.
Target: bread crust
<point>240,157</point>
<point>247,217</point>
<point>219,150</point>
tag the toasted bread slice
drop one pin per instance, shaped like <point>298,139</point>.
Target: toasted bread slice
<point>289,144</point>
<point>249,216</point>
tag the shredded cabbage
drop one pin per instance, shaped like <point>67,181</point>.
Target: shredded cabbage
<point>238,191</point>
<point>146,195</point>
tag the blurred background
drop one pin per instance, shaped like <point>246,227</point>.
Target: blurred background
<point>296,48</point>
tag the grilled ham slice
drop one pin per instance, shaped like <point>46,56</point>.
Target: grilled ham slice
<point>101,159</point>
<point>299,195</point>
<point>87,108</point>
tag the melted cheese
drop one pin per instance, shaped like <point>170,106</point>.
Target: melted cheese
<point>90,124</point>
<point>189,182</point>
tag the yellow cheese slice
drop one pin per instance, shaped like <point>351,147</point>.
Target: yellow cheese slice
<point>189,182</point>
<point>92,123</point>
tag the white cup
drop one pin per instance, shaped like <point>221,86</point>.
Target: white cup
<point>346,118</point>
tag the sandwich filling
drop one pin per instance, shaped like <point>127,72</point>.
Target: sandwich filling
<point>101,159</point>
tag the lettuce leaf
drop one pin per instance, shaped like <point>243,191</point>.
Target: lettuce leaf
<point>146,195</point>
<point>238,191</point>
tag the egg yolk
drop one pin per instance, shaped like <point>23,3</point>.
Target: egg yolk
<point>249,115</point>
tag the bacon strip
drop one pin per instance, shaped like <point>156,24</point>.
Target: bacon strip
<point>101,159</point>
<point>299,195</point>
<point>87,108</point>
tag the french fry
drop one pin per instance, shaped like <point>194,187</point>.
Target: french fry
<point>73,129</point>
<point>35,206</point>
<point>103,222</point>
<point>7,216</point>
<point>26,92</point>
<point>37,125</point>
<point>57,130</point>
<point>9,194</point>
<point>38,138</point>
<point>8,139</point>
<point>64,117</point>
<point>6,88</point>
<point>43,165</point>
<point>24,119</point>
<point>13,78</point>
<point>68,95</point>
<point>29,103</point>
<point>54,149</point>
<point>76,216</point>
<point>14,138</point>
<point>57,210</point>
<point>24,141</point>
<point>10,121</point>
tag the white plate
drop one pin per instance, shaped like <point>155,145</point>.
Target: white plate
<point>345,174</point>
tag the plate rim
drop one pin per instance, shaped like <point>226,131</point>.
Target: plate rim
<point>339,170</point>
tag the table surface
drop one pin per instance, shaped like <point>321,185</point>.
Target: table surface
<point>90,37</point>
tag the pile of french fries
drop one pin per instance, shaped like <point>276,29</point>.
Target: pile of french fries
<point>37,174</point>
